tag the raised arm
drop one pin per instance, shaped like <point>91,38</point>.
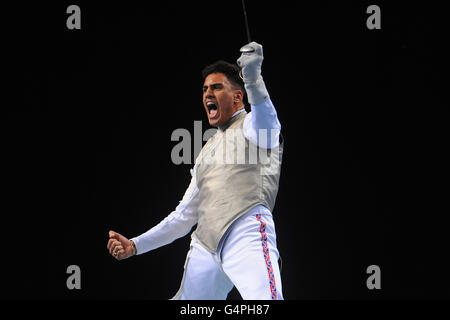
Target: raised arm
<point>261,125</point>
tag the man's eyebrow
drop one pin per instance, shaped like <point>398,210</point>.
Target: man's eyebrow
<point>214,85</point>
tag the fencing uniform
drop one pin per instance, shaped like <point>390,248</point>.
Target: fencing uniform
<point>230,198</point>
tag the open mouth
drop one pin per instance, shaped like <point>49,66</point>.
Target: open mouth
<point>212,109</point>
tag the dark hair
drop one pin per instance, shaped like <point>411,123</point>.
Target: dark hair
<point>231,71</point>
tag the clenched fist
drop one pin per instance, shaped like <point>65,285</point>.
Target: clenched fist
<point>251,63</point>
<point>119,246</point>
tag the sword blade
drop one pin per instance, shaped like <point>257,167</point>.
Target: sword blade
<point>246,22</point>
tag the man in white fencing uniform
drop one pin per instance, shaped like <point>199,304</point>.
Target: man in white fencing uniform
<point>234,243</point>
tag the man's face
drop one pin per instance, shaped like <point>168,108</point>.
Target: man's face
<point>220,100</point>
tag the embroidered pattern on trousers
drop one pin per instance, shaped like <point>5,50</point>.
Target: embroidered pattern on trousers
<point>262,230</point>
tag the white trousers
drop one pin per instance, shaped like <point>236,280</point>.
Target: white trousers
<point>247,258</point>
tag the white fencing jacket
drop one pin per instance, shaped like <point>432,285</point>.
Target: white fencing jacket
<point>180,221</point>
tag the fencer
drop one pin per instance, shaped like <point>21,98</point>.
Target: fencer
<point>231,203</point>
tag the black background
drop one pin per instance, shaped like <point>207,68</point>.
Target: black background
<point>87,143</point>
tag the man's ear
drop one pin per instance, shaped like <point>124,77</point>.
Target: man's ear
<point>238,95</point>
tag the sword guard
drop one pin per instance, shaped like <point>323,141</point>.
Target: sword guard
<point>247,49</point>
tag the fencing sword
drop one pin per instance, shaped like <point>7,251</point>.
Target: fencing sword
<point>246,49</point>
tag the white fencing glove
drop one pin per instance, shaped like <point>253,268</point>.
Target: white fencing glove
<point>251,73</point>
